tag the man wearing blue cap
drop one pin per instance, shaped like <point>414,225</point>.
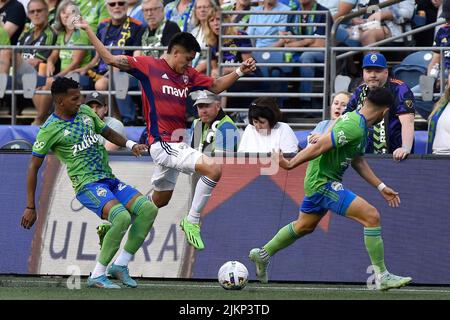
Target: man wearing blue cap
<point>394,134</point>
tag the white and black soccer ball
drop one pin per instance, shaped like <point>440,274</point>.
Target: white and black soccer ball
<point>233,275</point>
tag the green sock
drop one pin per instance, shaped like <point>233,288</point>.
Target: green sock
<point>145,212</point>
<point>120,219</point>
<point>375,248</point>
<point>285,237</point>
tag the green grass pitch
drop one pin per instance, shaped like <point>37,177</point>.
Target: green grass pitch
<point>13,287</point>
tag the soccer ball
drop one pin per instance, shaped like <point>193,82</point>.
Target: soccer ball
<point>233,275</point>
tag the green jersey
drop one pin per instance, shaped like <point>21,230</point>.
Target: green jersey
<point>349,138</point>
<point>76,144</point>
<point>93,11</point>
<point>78,38</point>
<point>4,37</point>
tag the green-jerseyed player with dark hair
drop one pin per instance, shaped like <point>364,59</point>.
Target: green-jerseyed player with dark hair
<point>329,158</point>
<point>71,132</point>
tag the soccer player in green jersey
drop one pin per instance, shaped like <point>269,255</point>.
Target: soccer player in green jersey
<point>71,132</point>
<point>329,158</point>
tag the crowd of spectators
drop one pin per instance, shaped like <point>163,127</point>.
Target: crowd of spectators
<point>151,23</point>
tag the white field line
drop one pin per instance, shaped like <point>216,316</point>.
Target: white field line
<point>252,286</point>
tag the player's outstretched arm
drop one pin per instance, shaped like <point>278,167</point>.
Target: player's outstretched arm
<point>313,151</point>
<point>364,170</point>
<point>29,215</point>
<point>119,61</point>
<point>117,139</point>
<point>226,81</point>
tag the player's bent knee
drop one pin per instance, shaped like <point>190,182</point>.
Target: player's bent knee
<point>122,220</point>
<point>372,217</point>
<point>216,172</point>
<point>302,229</point>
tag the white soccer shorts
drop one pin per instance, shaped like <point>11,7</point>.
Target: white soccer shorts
<point>171,158</point>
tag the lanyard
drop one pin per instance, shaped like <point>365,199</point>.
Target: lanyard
<point>308,19</point>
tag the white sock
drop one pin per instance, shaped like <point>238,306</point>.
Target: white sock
<point>123,259</point>
<point>98,270</point>
<point>201,196</point>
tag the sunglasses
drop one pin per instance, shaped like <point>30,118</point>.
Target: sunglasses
<point>31,12</point>
<point>113,4</point>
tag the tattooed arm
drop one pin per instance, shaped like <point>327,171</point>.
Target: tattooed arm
<point>120,62</point>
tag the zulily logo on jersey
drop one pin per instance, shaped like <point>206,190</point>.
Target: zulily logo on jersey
<point>88,141</point>
<point>174,91</point>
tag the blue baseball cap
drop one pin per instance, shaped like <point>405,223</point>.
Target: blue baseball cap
<point>374,60</point>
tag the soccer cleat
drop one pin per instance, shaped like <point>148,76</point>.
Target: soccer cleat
<point>192,232</point>
<point>101,282</point>
<point>261,265</point>
<point>390,281</point>
<point>122,273</point>
<point>101,231</point>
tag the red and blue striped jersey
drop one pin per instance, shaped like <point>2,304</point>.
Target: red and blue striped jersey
<point>164,94</point>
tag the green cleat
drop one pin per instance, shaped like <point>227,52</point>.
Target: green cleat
<point>192,232</point>
<point>101,231</point>
<point>390,281</point>
<point>261,265</point>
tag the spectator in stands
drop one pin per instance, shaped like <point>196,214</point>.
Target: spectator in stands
<point>181,12</point>
<point>118,30</point>
<point>371,27</point>
<point>442,39</point>
<point>432,82</point>
<point>265,132</point>
<point>40,33</point>
<point>5,55</point>
<point>12,14</point>
<point>12,17</point>
<point>338,105</point>
<point>213,131</point>
<point>135,11</point>
<point>272,20</point>
<point>394,134</point>
<point>159,31</point>
<point>439,126</point>
<point>313,42</point>
<point>52,5</point>
<point>430,9</point>
<point>239,5</point>
<point>212,40</point>
<point>201,10</point>
<point>70,60</point>
<point>391,21</point>
<point>331,5</point>
<point>93,11</point>
<point>97,102</point>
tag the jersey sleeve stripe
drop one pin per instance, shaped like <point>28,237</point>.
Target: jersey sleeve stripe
<point>151,116</point>
<point>38,155</point>
<point>332,139</point>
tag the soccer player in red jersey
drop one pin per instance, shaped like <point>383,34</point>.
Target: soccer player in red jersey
<point>166,84</point>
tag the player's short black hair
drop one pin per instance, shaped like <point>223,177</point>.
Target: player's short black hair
<point>265,107</point>
<point>62,85</point>
<point>185,40</point>
<point>381,97</point>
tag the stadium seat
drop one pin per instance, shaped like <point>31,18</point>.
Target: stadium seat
<point>28,75</point>
<point>273,71</point>
<point>272,57</point>
<point>18,144</point>
<point>3,82</point>
<point>412,67</point>
<point>341,83</point>
<point>121,83</point>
